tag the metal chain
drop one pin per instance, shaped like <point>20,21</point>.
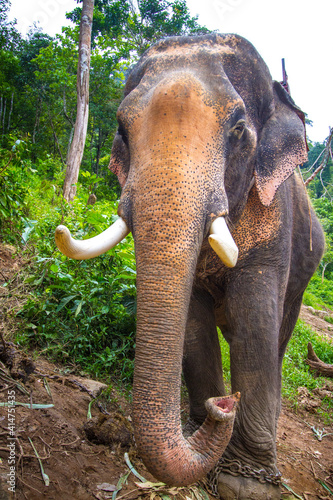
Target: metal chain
<point>236,468</point>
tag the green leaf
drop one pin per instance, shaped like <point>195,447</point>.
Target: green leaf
<point>126,256</point>
<point>125,276</point>
<point>131,468</point>
<point>203,493</point>
<point>325,486</point>
<point>28,405</point>
<point>96,218</point>
<point>3,202</point>
<point>64,302</point>
<point>120,484</point>
<point>29,228</point>
<point>79,307</point>
<point>63,276</point>
<point>45,477</point>
<point>291,491</point>
<point>40,280</point>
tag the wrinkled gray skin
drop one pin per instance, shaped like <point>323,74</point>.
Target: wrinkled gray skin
<point>204,132</point>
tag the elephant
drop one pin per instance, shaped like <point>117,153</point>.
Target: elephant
<point>206,154</point>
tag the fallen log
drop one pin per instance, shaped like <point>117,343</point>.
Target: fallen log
<point>317,365</point>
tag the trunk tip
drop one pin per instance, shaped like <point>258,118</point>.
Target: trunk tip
<point>222,408</point>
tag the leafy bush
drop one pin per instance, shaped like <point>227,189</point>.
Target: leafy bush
<point>319,293</point>
<point>13,190</point>
<point>81,311</point>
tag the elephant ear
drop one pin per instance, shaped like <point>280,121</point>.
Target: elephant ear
<point>282,145</point>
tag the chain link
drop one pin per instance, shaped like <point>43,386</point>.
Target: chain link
<point>235,468</point>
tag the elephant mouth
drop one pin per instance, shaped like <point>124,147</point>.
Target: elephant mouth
<point>225,405</point>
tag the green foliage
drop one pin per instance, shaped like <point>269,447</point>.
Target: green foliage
<point>9,36</point>
<point>14,171</point>
<point>82,312</point>
<point>319,293</point>
<point>131,30</point>
<point>31,47</point>
<point>157,19</point>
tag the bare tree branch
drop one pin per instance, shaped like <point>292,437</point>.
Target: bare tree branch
<point>327,156</point>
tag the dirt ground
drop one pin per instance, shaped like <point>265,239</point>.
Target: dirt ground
<point>85,459</point>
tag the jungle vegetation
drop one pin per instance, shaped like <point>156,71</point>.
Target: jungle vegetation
<point>83,313</point>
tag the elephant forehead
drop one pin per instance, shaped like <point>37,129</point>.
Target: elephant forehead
<point>179,124</point>
<point>180,102</point>
<point>180,96</point>
<point>188,88</point>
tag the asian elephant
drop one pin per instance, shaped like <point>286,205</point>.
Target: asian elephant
<point>225,236</point>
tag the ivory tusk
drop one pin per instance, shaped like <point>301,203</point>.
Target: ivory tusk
<point>93,247</point>
<point>222,242</point>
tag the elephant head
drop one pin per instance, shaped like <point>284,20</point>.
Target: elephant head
<point>201,123</point>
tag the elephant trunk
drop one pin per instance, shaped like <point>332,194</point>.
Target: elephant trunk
<point>165,271</point>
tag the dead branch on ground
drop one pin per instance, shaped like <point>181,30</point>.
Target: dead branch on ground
<point>317,365</point>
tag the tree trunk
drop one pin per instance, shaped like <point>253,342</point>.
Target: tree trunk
<point>100,143</point>
<point>323,273</point>
<point>36,125</point>
<point>81,123</point>
<point>10,111</point>
<point>3,118</point>
<point>69,144</point>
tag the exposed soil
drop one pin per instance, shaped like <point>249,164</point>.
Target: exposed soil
<point>316,319</point>
<point>79,467</point>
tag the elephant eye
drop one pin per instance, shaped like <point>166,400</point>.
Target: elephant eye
<point>238,130</point>
<point>122,133</point>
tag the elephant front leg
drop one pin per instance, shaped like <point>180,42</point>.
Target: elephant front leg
<point>202,366</point>
<point>248,468</point>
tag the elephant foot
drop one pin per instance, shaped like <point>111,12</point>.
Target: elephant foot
<point>245,488</point>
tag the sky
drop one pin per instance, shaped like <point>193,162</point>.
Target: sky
<point>300,31</point>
